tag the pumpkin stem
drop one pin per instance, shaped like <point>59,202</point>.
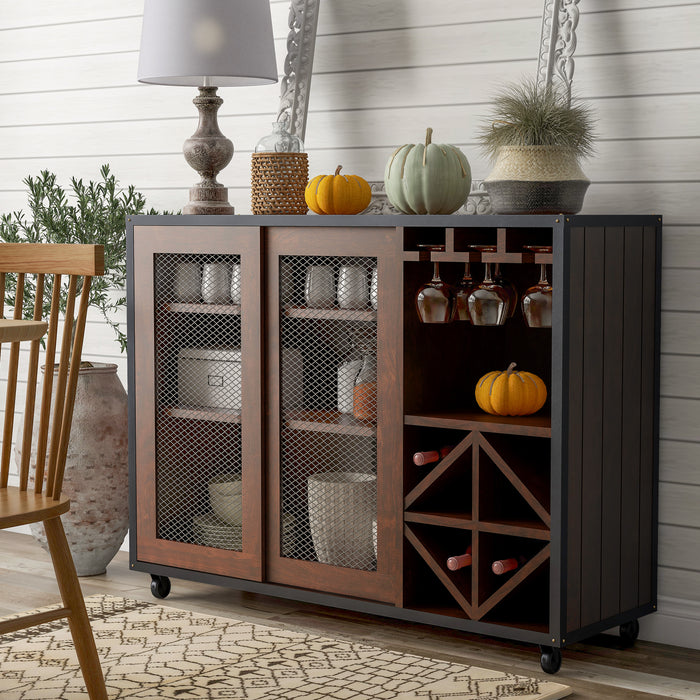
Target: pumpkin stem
<point>428,140</point>
<point>337,170</point>
<point>511,367</point>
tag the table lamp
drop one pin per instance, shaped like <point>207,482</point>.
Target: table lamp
<point>207,44</point>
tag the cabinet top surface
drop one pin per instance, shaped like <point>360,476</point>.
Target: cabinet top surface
<point>401,220</point>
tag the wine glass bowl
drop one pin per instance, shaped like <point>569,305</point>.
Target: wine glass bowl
<point>488,302</point>
<point>435,299</point>
<point>461,312</point>
<point>537,300</point>
<point>509,287</point>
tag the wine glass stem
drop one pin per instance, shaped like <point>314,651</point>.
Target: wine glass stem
<point>436,271</point>
<point>487,272</point>
<point>543,274</point>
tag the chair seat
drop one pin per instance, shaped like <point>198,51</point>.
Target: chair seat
<point>23,507</point>
<point>15,330</point>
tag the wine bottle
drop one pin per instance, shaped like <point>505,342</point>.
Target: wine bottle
<point>461,560</point>
<point>503,566</point>
<point>423,458</point>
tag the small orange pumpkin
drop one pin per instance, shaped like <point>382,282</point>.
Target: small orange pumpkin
<point>510,393</point>
<point>338,194</point>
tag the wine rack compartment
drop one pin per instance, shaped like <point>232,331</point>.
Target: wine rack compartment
<point>304,419</point>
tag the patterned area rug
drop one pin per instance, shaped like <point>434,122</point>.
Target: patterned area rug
<point>149,652</point>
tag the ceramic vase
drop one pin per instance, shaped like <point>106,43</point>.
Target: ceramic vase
<point>342,508</point>
<point>96,473</point>
<point>536,180</point>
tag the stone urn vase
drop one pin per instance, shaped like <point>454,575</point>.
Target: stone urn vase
<point>536,180</point>
<point>96,474</point>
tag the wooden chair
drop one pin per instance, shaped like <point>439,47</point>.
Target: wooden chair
<point>20,505</point>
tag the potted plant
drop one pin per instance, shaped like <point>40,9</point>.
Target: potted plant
<point>96,476</point>
<point>537,138</point>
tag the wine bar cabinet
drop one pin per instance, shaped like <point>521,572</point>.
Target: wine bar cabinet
<point>303,420</point>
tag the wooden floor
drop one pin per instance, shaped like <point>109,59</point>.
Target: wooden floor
<point>597,670</point>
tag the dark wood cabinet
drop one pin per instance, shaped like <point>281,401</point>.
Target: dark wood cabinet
<point>334,510</point>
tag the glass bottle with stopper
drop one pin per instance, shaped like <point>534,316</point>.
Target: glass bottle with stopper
<point>280,140</point>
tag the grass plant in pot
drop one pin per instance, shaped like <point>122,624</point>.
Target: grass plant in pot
<point>96,475</point>
<point>537,138</point>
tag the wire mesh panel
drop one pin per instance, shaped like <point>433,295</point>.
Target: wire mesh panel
<point>328,465</point>
<point>198,366</point>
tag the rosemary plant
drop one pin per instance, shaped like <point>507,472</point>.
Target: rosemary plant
<point>525,115</point>
<point>96,214</point>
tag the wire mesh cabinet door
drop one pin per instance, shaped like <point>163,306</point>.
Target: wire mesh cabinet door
<point>197,408</point>
<point>334,410</point>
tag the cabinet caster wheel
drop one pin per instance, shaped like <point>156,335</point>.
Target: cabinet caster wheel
<point>550,660</point>
<point>160,586</point>
<point>629,632</point>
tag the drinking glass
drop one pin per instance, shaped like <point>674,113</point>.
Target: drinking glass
<point>320,287</point>
<point>435,300</point>
<point>216,283</point>
<point>537,300</point>
<point>236,284</point>
<point>462,294</point>
<point>187,285</point>
<point>374,289</point>
<point>509,287</point>
<point>352,287</point>
<point>488,301</point>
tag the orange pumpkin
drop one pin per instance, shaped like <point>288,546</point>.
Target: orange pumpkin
<point>338,194</point>
<point>510,393</point>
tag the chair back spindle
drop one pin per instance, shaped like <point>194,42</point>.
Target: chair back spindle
<point>61,357</point>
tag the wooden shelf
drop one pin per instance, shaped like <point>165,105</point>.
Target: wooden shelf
<point>219,415</point>
<point>539,425</point>
<point>531,529</point>
<point>333,314</point>
<point>462,521</point>
<point>328,422</point>
<point>219,309</point>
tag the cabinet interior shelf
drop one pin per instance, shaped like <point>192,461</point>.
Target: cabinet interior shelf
<point>539,425</point>
<point>531,529</point>
<point>328,422</point>
<point>220,309</point>
<point>220,415</point>
<point>332,314</point>
<point>462,521</point>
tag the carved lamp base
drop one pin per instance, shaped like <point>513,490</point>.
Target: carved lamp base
<point>208,200</point>
<point>208,151</point>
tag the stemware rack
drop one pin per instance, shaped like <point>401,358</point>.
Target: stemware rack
<point>570,491</point>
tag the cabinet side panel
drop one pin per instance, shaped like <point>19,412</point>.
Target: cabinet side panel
<point>575,434</point>
<point>592,447</point>
<point>649,419</point>
<point>612,421</point>
<point>631,414</point>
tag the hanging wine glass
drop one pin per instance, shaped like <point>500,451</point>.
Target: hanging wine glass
<point>435,300</point>
<point>488,301</point>
<point>509,287</point>
<point>461,312</point>
<point>537,300</point>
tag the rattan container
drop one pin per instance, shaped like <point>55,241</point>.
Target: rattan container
<point>278,181</point>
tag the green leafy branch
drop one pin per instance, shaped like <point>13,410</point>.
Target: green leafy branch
<point>96,214</point>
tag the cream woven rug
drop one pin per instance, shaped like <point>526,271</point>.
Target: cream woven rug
<point>150,652</point>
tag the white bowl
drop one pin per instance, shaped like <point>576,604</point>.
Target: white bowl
<point>226,499</point>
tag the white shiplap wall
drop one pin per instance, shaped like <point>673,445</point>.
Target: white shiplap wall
<point>384,71</point>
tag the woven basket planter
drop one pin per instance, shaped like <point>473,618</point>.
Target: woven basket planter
<point>536,180</point>
<point>278,181</point>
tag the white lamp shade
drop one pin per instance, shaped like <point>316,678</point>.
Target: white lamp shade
<point>221,43</point>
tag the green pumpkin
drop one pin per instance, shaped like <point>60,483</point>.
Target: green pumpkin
<point>430,178</point>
